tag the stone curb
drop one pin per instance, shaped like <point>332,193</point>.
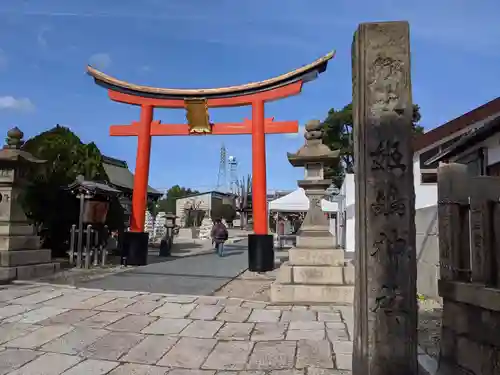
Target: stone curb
<point>73,287</point>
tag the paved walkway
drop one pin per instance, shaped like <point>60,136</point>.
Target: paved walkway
<point>53,330</point>
<point>198,275</point>
<point>184,247</point>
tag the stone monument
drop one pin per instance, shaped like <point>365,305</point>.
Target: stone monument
<point>20,253</point>
<point>385,333</point>
<point>206,226</point>
<point>316,271</point>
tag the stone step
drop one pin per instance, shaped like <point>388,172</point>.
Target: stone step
<point>281,254</point>
<point>7,274</point>
<point>10,229</point>
<point>321,275</point>
<point>300,293</point>
<point>15,258</point>
<point>323,257</point>
<point>9,243</point>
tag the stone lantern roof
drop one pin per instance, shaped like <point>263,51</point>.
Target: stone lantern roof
<point>313,151</point>
<point>12,152</point>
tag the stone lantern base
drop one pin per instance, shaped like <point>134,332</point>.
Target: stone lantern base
<point>20,255</point>
<point>314,276</point>
<point>316,271</point>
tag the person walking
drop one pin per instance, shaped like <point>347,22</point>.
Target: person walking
<point>219,236</point>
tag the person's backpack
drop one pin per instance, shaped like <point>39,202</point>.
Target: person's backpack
<point>220,232</point>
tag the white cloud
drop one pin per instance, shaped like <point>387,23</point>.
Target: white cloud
<point>100,60</point>
<point>20,104</point>
<point>41,39</point>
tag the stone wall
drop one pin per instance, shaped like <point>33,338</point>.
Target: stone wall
<point>471,322</point>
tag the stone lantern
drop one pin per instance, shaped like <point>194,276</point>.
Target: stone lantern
<point>314,156</point>
<point>168,240</point>
<point>316,271</point>
<point>20,253</point>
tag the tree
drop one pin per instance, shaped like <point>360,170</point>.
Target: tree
<point>338,127</point>
<point>223,209</point>
<point>244,200</point>
<point>167,204</point>
<point>50,208</point>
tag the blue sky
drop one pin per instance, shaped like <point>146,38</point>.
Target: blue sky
<point>45,46</point>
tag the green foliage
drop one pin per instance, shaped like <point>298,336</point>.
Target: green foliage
<point>223,211</point>
<point>66,155</point>
<point>50,208</point>
<point>338,127</point>
<point>175,192</point>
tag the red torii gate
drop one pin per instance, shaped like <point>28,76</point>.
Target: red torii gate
<point>197,102</point>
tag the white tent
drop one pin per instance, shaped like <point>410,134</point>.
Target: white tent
<point>297,201</point>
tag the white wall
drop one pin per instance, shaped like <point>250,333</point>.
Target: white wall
<point>425,194</point>
<point>493,149</point>
<point>204,200</point>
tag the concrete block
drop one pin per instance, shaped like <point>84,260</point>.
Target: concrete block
<point>299,293</point>
<point>7,274</point>
<point>14,229</point>
<point>311,257</point>
<point>349,274</point>
<point>273,355</point>
<point>229,356</point>
<point>24,257</point>
<point>314,353</point>
<point>36,270</point>
<point>284,274</point>
<point>331,275</point>
<point>8,243</point>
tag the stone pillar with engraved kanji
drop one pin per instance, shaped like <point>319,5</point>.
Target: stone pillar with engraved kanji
<point>20,253</point>
<point>385,338</point>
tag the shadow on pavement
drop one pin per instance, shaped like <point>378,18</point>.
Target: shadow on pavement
<point>231,253</point>
<point>182,246</point>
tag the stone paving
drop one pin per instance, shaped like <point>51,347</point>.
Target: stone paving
<point>53,330</point>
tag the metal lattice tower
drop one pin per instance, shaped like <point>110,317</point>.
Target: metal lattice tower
<point>222,175</point>
<point>233,174</point>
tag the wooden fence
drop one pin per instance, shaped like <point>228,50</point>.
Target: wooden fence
<point>469,226</point>
<point>469,251</point>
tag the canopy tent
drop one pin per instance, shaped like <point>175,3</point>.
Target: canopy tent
<point>297,201</point>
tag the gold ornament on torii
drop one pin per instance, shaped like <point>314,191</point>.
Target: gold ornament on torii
<point>197,116</point>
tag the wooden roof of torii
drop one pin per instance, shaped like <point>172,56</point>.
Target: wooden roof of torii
<point>305,73</point>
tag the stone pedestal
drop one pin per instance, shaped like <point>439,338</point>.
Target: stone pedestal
<point>316,271</point>
<point>20,253</point>
<point>314,276</point>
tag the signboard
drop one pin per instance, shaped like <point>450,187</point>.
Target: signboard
<point>95,212</point>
